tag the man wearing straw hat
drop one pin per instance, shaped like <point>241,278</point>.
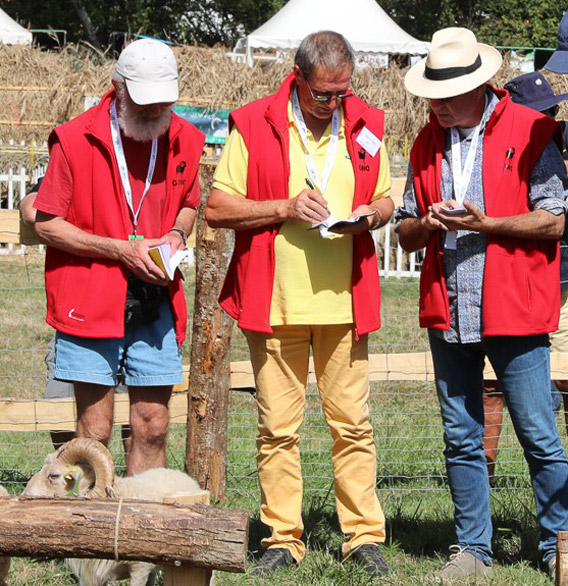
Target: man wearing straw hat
<point>292,159</point>
<point>122,177</point>
<point>485,196</point>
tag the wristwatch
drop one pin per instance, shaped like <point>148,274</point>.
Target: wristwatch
<point>376,225</point>
<point>181,233</point>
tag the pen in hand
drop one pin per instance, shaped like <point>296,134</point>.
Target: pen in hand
<point>311,186</point>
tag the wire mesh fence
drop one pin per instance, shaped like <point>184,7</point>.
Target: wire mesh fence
<point>404,413</point>
<point>403,404</point>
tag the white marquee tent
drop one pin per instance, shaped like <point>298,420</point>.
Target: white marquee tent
<point>11,33</point>
<point>363,23</point>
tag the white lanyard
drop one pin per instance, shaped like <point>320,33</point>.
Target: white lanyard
<point>123,167</point>
<point>331,149</point>
<point>461,177</point>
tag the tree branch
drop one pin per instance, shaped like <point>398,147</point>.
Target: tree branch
<point>87,23</point>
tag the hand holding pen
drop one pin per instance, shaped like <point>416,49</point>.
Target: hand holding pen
<point>308,206</point>
<point>311,186</point>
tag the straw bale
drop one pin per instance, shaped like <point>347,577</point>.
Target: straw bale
<point>39,89</point>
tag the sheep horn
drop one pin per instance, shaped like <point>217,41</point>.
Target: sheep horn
<point>84,449</point>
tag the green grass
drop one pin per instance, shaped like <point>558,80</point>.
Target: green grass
<point>411,475</point>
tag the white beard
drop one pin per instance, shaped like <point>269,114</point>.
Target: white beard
<point>137,126</point>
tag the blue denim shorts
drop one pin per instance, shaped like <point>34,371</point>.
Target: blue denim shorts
<point>62,389</point>
<point>148,355</point>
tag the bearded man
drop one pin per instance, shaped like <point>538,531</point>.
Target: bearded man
<point>122,178</point>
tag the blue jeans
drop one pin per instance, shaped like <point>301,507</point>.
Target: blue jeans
<point>522,365</point>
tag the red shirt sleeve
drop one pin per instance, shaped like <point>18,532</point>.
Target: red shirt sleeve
<point>193,196</point>
<point>56,190</point>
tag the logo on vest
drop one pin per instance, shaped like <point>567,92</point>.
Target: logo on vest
<point>77,316</point>
<point>180,169</point>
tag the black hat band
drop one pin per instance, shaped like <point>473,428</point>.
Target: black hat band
<point>451,72</point>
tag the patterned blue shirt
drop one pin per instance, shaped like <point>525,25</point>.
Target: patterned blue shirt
<point>464,266</point>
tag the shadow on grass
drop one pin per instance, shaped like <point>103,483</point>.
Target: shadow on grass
<point>321,527</point>
<point>426,532</point>
<point>322,532</point>
<point>515,535</point>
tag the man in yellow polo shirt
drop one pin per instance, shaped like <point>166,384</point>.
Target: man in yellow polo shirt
<point>311,153</point>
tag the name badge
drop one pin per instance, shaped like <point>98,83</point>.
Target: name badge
<point>368,141</point>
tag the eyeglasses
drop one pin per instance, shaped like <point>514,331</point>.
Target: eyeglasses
<point>326,97</point>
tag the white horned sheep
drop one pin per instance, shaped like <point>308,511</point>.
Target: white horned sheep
<point>84,467</point>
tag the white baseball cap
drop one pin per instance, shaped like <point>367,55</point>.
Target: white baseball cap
<point>149,69</point>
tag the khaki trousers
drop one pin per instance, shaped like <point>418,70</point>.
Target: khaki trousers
<point>280,364</point>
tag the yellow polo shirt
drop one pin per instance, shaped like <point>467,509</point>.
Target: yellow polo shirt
<point>312,279</point>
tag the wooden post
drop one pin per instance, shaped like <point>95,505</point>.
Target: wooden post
<point>562,559</point>
<point>209,376</point>
<point>160,533</point>
<point>185,576</point>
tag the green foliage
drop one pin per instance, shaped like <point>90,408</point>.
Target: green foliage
<point>513,23</point>
<point>136,16</point>
<point>507,23</point>
<point>224,21</point>
<point>184,21</point>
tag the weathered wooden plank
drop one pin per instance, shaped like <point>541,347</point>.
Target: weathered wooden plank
<point>43,415</point>
<point>14,231</point>
<point>397,189</point>
<point>183,575</point>
<point>199,535</point>
<point>60,414</point>
<point>561,578</point>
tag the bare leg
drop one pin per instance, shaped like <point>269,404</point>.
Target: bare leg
<point>95,411</point>
<point>493,413</point>
<point>149,426</point>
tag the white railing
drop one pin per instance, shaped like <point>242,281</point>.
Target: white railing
<point>15,184</point>
<point>393,260</point>
<point>13,187</point>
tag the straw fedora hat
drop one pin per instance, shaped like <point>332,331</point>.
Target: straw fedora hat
<point>455,65</point>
